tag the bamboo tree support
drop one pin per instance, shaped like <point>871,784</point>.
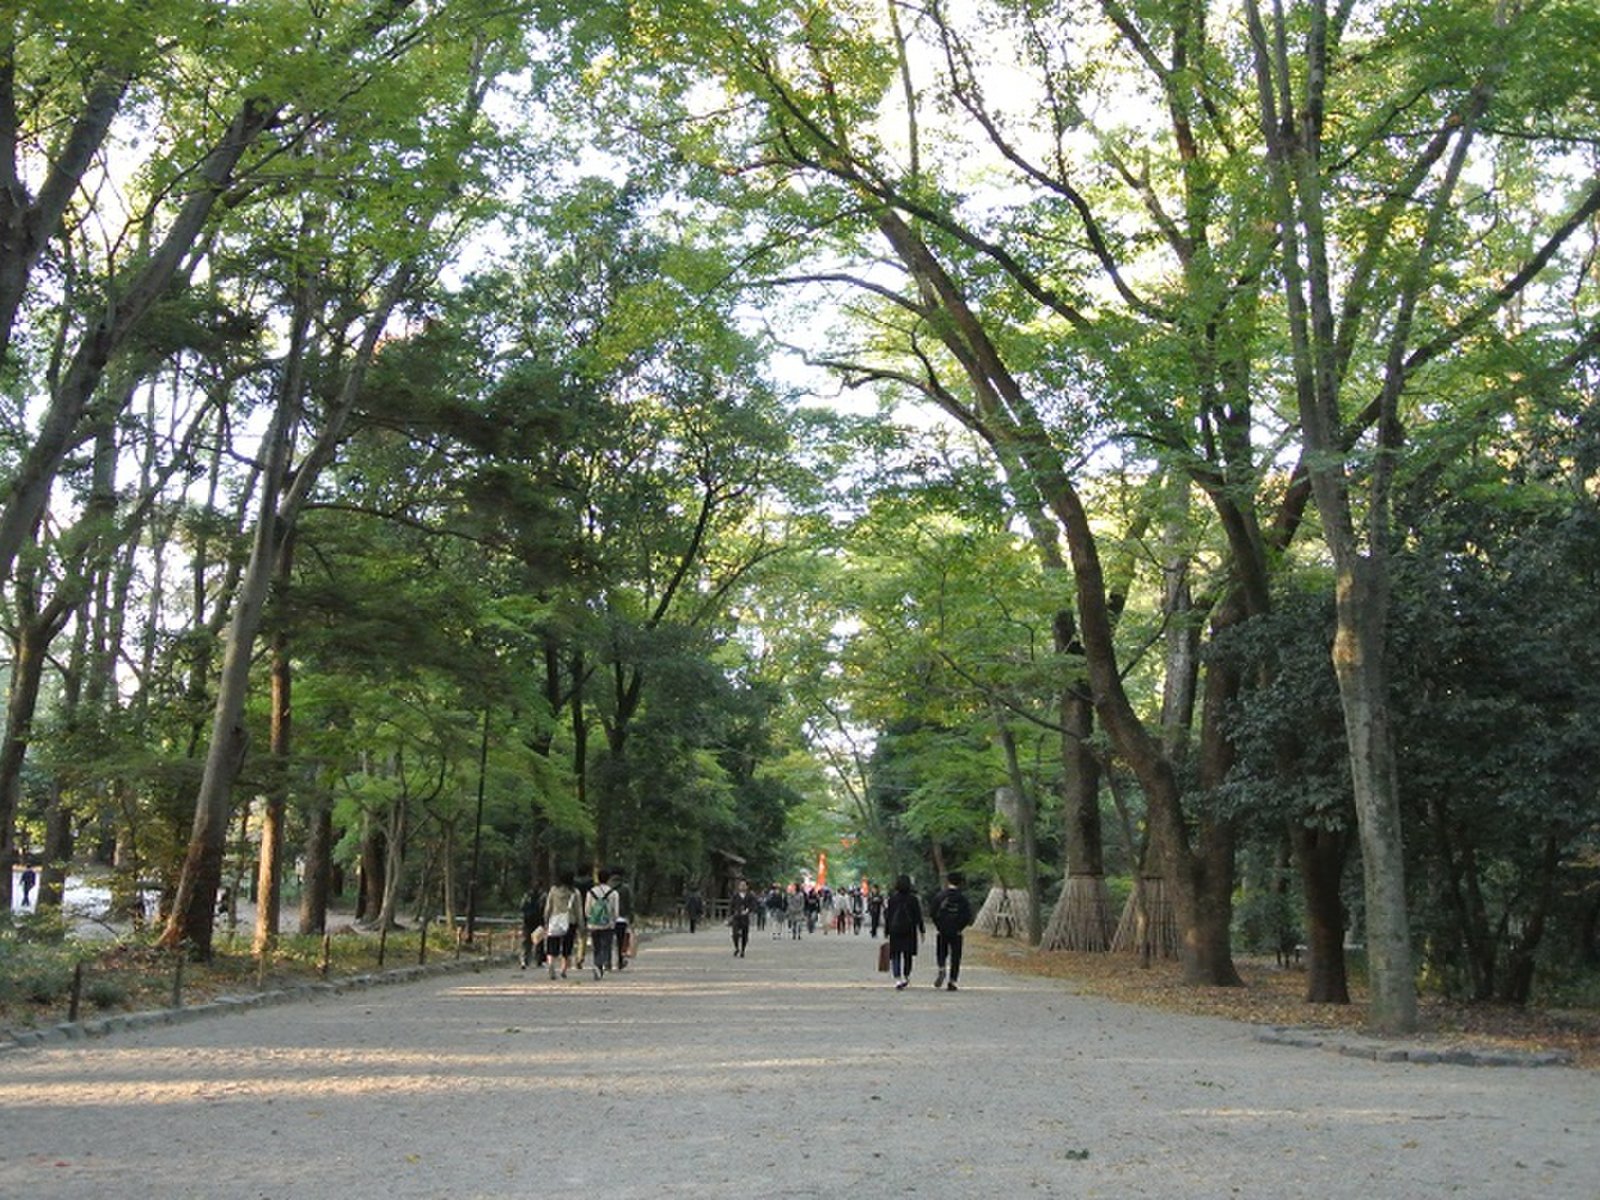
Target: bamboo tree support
<point>1148,926</point>
<point>327,955</point>
<point>1082,919</point>
<point>422,944</point>
<point>1004,913</point>
<point>383,944</point>
<point>177,976</point>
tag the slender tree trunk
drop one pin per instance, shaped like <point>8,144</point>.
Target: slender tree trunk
<point>269,880</point>
<point>395,832</point>
<point>1358,661</point>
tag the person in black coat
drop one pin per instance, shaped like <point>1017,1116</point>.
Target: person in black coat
<point>952,913</point>
<point>902,921</point>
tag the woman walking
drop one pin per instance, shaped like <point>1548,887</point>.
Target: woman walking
<point>563,915</point>
<point>902,921</point>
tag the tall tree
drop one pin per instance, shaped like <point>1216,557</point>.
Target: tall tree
<point>1363,343</point>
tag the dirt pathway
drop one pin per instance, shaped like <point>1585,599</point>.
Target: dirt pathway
<point>796,1071</point>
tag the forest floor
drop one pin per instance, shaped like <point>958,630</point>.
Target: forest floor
<point>1273,995</point>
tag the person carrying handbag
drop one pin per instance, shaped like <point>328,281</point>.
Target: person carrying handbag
<point>563,918</point>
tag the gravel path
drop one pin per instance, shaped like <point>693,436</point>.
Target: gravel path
<point>795,1071</point>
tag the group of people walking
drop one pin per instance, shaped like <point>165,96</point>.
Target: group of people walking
<point>798,909</point>
<point>577,917</point>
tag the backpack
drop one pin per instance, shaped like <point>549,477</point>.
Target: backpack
<point>902,917</point>
<point>951,914</point>
<point>600,908</point>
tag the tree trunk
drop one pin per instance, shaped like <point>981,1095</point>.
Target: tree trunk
<point>1358,661</point>
<point>1082,919</point>
<point>1027,826</point>
<point>269,879</point>
<point>1516,983</point>
<point>369,899</point>
<point>58,846</point>
<point>318,888</point>
<point>394,850</point>
<point>27,673</point>
<point>1320,857</point>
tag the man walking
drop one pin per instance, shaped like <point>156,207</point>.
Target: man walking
<point>952,913</point>
<point>740,905</point>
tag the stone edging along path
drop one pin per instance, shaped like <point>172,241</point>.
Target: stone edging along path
<point>1349,1045</point>
<point>1382,1050</point>
<point>74,1031</point>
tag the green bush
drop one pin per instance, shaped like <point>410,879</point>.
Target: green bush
<point>31,974</point>
<point>105,992</point>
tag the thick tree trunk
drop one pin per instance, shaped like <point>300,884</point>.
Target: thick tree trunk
<point>1027,826</point>
<point>1320,857</point>
<point>27,673</point>
<point>58,847</point>
<point>318,888</point>
<point>1082,919</point>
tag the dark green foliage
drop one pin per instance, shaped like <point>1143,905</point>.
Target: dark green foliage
<point>1497,698</point>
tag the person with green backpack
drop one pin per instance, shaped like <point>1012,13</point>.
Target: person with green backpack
<point>601,917</point>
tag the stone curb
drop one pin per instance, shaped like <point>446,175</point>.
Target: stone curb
<point>1378,1050</point>
<point>99,1027</point>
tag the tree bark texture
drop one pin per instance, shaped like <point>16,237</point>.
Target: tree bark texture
<point>1320,858</point>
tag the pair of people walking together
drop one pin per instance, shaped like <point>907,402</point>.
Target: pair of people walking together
<point>903,922</point>
<point>569,913</point>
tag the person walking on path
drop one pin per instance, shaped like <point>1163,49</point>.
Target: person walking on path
<point>29,878</point>
<point>694,904</point>
<point>563,917</point>
<point>532,914</point>
<point>624,905</point>
<point>902,921</point>
<point>795,910</point>
<point>952,913</point>
<point>777,906</point>
<point>875,908</point>
<point>601,918</point>
<point>740,905</point>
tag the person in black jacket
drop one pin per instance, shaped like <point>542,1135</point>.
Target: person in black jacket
<point>902,921</point>
<point>740,905</point>
<point>952,913</point>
